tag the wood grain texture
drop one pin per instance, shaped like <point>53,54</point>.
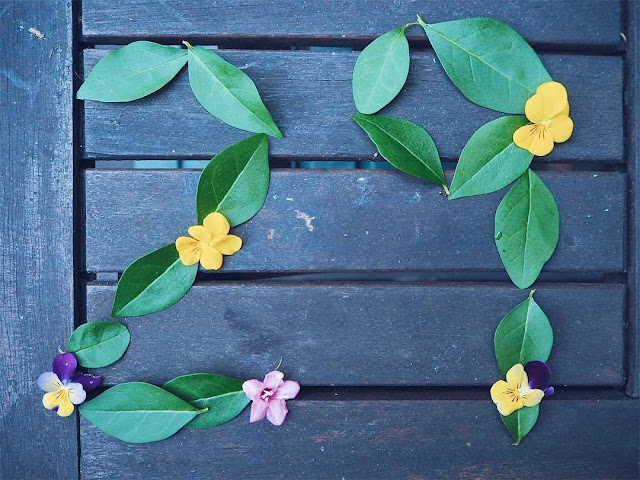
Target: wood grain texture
<point>632,124</point>
<point>320,22</point>
<point>386,439</point>
<point>336,220</point>
<point>309,95</point>
<point>365,333</point>
<point>36,246</point>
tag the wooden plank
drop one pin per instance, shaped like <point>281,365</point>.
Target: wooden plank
<point>362,220</point>
<point>632,125</point>
<point>310,97</point>
<point>591,23</point>
<point>387,439</point>
<point>366,333</point>
<point>36,291</point>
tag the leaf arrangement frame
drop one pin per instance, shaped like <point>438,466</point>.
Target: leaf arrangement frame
<point>495,68</point>
<point>233,187</point>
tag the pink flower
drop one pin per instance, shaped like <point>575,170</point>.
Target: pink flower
<point>269,397</point>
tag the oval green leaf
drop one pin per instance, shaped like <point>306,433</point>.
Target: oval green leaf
<point>404,145</point>
<point>99,344</point>
<point>520,422</point>
<point>132,72</point>
<point>138,412</point>
<point>489,62</point>
<point>490,160</point>
<point>381,71</point>
<point>527,227</point>
<point>236,181</point>
<point>223,396</point>
<point>152,283</point>
<point>227,93</point>
<point>522,336</point>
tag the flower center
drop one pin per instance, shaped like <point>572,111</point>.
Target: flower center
<point>267,393</point>
<point>545,122</point>
<point>514,393</point>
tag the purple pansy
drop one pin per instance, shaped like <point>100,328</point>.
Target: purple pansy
<point>64,386</point>
<point>539,375</point>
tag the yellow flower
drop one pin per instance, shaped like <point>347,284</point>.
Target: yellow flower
<point>515,393</point>
<point>210,241</point>
<point>548,112</point>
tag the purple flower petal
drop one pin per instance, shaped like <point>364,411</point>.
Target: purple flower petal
<point>549,391</point>
<point>539,374</point>
<point>88,382</point>
<point>64,365</point>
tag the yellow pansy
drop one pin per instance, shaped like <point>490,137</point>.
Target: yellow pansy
<point>515,393</point>
<point>548,112</point>
<point>208,242</point>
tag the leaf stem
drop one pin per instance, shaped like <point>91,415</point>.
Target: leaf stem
<point>409,25</point>
<point>203,410</point>
<point>187,44</point>
<point>421,21</point>
<point>446,189</point>
<point>531,293</point>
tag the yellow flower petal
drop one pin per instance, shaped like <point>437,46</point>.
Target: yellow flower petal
<point>560,128</point>
<point>507,408</point>
<point>532,397</point>
<point>217,224</point>
<point>200,233</point>
<point>524,136</point>
<point>541,143</point>
<point>189,250</point>
<point>66,407</point>
<point>553,97</point>
<point>565,111</point>
<point>211,258</point>
<point>499,392</point>
<point>51,400</point>
<point>517,377</point>
<point>227,245</point>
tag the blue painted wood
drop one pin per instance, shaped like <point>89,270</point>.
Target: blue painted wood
<point>577,23</point>
<point>36,238</point>
<point>382,439</point>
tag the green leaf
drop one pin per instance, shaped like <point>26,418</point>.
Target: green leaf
<point>381,71</point>
<point>520,422</point>
<point>490,160</point>
<point>223,396</point>
<point>226,92</point>
<point>132,72</point>
<point>404,145</point>
<point>152,283</point>
<point>99,344</point>
<point>527,227</point>
<point>236,181</point>
<point>488,61</point>
<point>138,412</point>
<point>523,335</point>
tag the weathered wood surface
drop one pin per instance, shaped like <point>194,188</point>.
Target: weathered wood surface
<point>36,240</point>
<point>318,220</point>
<point>386,439</point>
<point>365,333</point>
<point>590,23</point>
<point>632,103</point>
<point>310,97</point>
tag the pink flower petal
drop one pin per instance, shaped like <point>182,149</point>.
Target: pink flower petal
<point>253,389</point>
<point>258,410</point>
<point>49,382</point>
<point>273,380</point>
<point>277,411</point>
<point>288,390</point>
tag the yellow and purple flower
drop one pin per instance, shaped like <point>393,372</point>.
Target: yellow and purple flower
<point>525,387</point>
<point>64,386</point>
